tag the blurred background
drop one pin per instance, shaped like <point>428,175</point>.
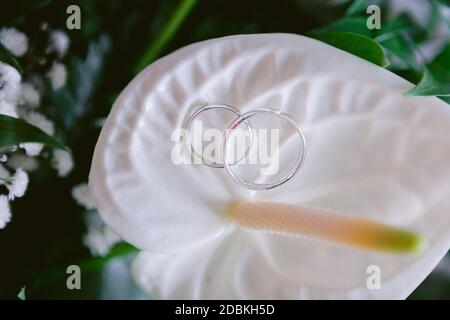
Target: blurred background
<point>70,78</point>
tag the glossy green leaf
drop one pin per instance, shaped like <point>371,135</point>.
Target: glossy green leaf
<point>360,6</point>
<point>14,131</point>
<point>429,85</point>
<point>440,66</point>
<point>348,24</point>
<point>399,37</point>
<point>401,24</point>
<point>400,51</point>
<point>355,44</point>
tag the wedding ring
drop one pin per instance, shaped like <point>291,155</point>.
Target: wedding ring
<point>206,108</point>
<point>245,117</point>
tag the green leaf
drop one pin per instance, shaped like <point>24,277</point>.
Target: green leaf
<point>355,44</point>
<point>401,24</point>
<point>7,57</point>
<point>348,24</point>
<point>14,131</point>
<point>437,15</point>
<point>400,51</point>
<point>430,86</point>
<point>97,263</point>
<point>360,6</point>
<point>440,66</point>
<point>21,295</point>
<point>399,38</point>
<point>411,75</point>
<point>166,34</point>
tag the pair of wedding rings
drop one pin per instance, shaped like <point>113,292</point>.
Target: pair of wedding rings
<point>245,119</point>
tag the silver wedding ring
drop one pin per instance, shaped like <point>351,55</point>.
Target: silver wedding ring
<point>195,116</point>
<point>245,118</point>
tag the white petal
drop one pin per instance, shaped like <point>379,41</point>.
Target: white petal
<point>372,152</point>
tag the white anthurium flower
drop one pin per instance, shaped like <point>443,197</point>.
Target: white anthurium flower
<point>373,154</point>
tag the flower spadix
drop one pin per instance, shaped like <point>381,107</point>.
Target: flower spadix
<point>319,224</point>
<point>375,182</point>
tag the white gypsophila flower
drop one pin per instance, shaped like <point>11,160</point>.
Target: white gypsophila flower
<point>62,161</point>
<point>40,121</point>
<point>18,160</point>
<point>99,241</point>
<point>9,82</point>
<point>59,41</point>
<point>83,196</point>
<point>18,184</point>
<point>5,211</point>
<point>14,40</point>
<point>57,75</point>
<point>99,237</point>
<point>94,241</point>
<point>8,109</point>
<point>30,95</point>
<point>4,174</point>
<point>33,148</point>
<point>111,237</point>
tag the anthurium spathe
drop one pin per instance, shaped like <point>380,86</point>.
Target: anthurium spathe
<point>374,155</point>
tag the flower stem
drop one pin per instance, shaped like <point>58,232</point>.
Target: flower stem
<point>167,33</point>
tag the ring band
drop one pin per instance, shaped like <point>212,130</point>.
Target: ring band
<point>196,114</point>
<point>264,186</point>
